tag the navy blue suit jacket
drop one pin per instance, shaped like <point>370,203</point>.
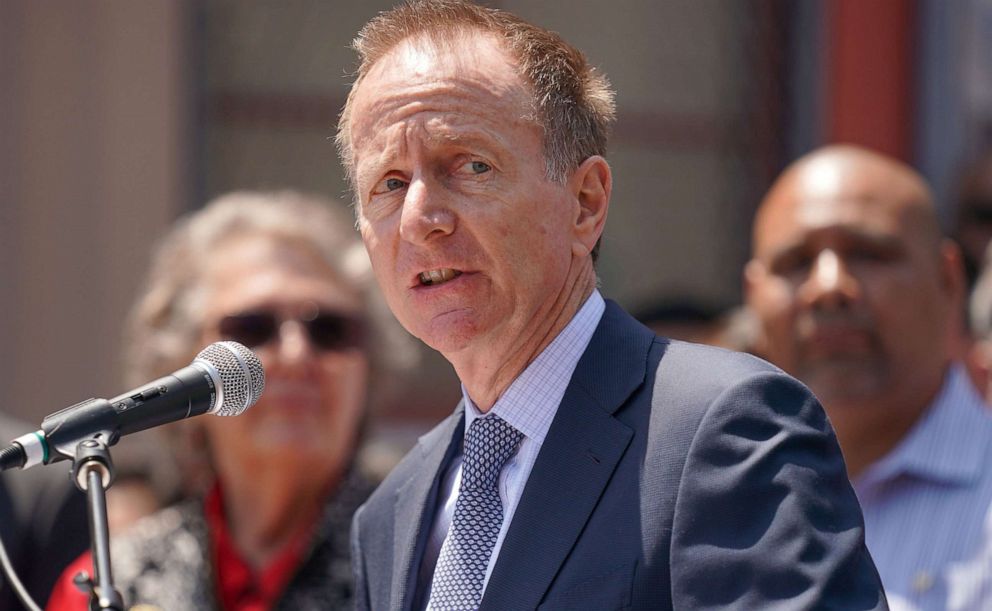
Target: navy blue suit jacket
<point>674,476</point>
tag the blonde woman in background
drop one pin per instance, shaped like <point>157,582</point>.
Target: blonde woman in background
<point>274,489</point>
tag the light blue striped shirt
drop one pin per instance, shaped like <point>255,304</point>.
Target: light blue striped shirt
<point>928,523</point>
<point>529,404</point>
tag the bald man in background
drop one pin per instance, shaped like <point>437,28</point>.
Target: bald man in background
<point>857,294</point>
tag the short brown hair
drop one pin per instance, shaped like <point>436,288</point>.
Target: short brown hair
<point>574,102</point>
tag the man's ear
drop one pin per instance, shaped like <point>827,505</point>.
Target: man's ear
<point>591,184</point>
<point>978,361</point>
<point>952,272</point>
<point>752,275</point>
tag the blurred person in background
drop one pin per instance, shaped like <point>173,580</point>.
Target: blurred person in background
<point>973,224</point>
<point>690,320</point>
<point>134,493</point>
<point>973,232</point>
<point>272,490</point>
<point>43,523</point>
<point>980,317</point>
<point>858,294</point>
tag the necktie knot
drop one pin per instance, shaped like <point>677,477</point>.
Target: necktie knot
<point>488,445</point>
<point>461,567</point>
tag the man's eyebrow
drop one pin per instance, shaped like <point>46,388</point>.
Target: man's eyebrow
<point>859,234</point>
<point>454,136</point>
<point>785,251</point>
<point>367,172</point>
<point>377,163</point>
<point>481,138</point>
<point>851,233</point>
<point>876,238</point>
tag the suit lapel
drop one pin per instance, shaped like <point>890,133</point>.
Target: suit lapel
<point>576,461</point>
<point>414,501</point>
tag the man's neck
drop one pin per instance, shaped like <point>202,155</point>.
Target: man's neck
<point>488,369</point>
<point>869,430</point>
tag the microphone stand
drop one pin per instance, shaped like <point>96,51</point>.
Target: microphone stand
<point>93,472</point>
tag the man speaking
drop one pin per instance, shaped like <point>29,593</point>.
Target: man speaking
<point>590,465</point>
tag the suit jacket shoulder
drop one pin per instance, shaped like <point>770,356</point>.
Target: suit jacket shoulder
<point>678,476</point>
<point>764,515</point>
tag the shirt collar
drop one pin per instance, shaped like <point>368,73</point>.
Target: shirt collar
<point>947,445</point>
<point>531,401</point>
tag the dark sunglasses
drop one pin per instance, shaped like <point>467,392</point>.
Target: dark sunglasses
<point>330,331</point>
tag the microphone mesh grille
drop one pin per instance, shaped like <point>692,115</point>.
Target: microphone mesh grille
<point>241,375</point>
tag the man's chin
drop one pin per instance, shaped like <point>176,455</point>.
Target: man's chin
<point>450,334</point>
<point>845,382</point>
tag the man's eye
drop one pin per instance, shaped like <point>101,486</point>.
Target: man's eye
<point>479,167</point>
<point>475,167</point>
<point>389,184</point>
<point>791,263</point>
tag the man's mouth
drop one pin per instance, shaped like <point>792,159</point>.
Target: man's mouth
<point>438,276</point>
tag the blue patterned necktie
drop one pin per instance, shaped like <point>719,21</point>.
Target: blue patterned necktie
<point>461,566</point>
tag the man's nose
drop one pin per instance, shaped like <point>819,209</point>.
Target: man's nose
<point>830,283</point>
<point>427,213</point>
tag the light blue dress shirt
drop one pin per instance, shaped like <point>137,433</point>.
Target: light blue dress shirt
<point>928,523</point>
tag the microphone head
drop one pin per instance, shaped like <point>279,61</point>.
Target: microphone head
<point>240,375</point>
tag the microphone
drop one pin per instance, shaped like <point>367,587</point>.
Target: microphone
<point>224,379</point>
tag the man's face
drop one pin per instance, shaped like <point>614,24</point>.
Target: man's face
<point>468,239</point>
<point>849,288</point>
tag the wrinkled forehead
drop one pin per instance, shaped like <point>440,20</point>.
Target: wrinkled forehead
<point>472,69</point>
